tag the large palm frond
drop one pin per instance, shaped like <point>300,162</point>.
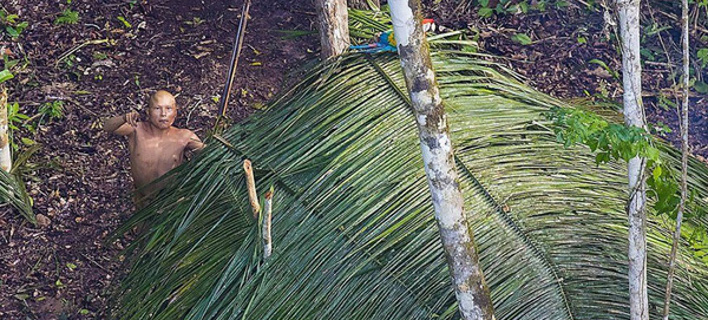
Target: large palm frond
<point>353,230</point>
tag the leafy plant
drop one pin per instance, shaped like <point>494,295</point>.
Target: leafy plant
<point>5,75</point>
<point>125,22</point>
<point>52,110</point>
<point>607,68</point>
<point>615,142</point>
<point>98,55</point>
<point>9,22</point>
<point>14,119</point>
<point>14,116</point>
<point>67,16</point>
<point>703,57</point>
<point>69,61</point>
<point>12,189</point>
<point>522,38</point>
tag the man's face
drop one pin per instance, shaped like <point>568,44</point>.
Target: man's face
<point>162,113</point>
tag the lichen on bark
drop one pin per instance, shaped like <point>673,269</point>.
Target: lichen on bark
<point>334,28</point>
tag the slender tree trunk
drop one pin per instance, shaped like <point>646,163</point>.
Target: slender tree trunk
<point>634,116</point>
<point>468,281</point>
<point>684,161</point>
<point>334,28</point>
<point>5,156</point>
<point>363,4</point>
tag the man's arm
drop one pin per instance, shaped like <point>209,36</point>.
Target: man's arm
<point>194,144</point>
<point>122,125</point>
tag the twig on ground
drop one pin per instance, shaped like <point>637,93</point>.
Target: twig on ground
<point>95,263</point>
<point>77,48</point>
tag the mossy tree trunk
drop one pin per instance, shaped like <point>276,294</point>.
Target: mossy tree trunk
<point>634,116</point>
<point>468,281</point>
<point>334,28</point>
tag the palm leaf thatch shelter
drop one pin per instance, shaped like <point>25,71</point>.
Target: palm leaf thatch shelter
<point>353,230</point>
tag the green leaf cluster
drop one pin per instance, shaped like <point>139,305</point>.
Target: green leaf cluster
<point>486,10</point>
<point>52,110</point>
<point>67,16</point>
<point>703,57</point>
<point>12,191</point>
<point>615,142</point>
<point>11,24</point>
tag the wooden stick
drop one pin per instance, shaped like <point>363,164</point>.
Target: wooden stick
<point>265,231</point>
<point>5,155</point>
<point>251,185</point>
<point>235,54</point>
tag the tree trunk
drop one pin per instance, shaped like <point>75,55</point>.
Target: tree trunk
<point>5,156</point>
<point>684,160</point>
<point>363,4</point>
<point>334,28</point>
<point>634,116</point>
<point>468,281</point>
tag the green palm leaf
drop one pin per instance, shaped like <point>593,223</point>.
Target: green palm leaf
<point>353,230</point>
<point>13,192</point>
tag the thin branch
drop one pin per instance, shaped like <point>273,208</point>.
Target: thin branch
<point>684,161</point>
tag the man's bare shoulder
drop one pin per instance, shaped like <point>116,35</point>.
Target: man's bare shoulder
<point>186,133</point>
<point>192,140</point>
<point>140,127</point>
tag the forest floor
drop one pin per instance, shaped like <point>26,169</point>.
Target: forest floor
<point>80,179</point>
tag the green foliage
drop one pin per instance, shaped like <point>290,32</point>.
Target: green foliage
<point>601,63</point>
<point>703,57</point>
<point>98,55</point>
<point>10,23</point>
<point>52,110</point>
<point>614,142</point>
<point>5,75</point>
<point>67,16</point>
<point>522,38</point>
<point>12,188</point>
<point>125,22</point>
<point>353,228</point>
<point>14,116</point>
<point>485,10</point>
<point>12,191</point>
<point>701,87</point>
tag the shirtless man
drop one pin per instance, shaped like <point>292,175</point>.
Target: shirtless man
<point>156,147</point>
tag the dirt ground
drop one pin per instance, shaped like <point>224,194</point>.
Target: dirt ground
<point>80,178</point>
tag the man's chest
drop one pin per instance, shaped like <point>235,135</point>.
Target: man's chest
<point>158,151</point>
